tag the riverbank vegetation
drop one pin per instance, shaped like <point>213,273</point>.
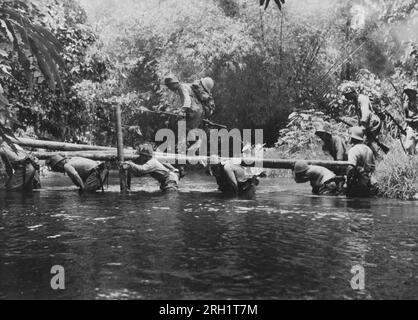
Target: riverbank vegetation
<point>397,175</point>
<point>273,69</point>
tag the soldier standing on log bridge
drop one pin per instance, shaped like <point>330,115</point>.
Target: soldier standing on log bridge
<point>364,109</point>
<point>196,99</point>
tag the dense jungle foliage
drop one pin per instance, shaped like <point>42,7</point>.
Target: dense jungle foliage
<point>268,63</point>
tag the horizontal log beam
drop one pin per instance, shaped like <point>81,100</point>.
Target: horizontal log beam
<point>56,145</point>
<point>337,166</point>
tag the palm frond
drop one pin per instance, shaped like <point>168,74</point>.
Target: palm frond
<point>266,3</point>
<point>24,61</point>
<point>40,42</point>
<point>43,65</point>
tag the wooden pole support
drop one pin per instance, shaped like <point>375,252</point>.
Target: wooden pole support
<point>121,158</point>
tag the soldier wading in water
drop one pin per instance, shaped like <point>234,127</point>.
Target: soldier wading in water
<point>360,182</point>
<point>232,178</point>
<point>22,170</point>
<point>86,174</point>
<point>323,181</point>
<point>164,173</point>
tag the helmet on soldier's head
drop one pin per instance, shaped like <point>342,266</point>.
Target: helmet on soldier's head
<point>171,80</point>
<point>357,133</point>
<point>54,161</point>
<point>146,150</point>
<point>411,86</point>
<point>207,83</point>
<point>322,130</point>
<point>301,167</point>
<point>348,87</point>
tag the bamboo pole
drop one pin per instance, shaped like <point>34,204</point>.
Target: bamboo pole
<point>337,166</point>
<point>120,153</point>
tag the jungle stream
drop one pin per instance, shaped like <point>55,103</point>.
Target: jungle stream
<point>197,244</point>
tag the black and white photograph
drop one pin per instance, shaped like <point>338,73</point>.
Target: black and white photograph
<point>208,150</point>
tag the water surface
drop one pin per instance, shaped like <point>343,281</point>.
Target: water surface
<point>284,243</point>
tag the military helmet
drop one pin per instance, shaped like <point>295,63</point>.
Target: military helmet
<point>348,87</point>
<point>146,150</point>
<point>53,161</point>
<point>171,80</point>
<point>301,167</point>
<point>322,130</point>
<point>357,133</point>
<point>207,84</point>
<point>411,86</point>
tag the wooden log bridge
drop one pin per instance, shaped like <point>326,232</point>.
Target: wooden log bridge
<point>336,166</point>
<point>101,153</point>
<point>55,145</point>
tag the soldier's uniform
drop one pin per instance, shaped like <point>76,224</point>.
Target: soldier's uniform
<point>168,179</point>
<point>165,174</point>
<point>191,106</point>
<point>196,102</point>
<point>364,109</point>
<point>196,99</point>
<point>232,178</point>
<point>367,118</point>
<point>411,116</point>
<point>323,181</point>
<point>92,174</point>
<point>334,145</point>
<point>20,168</point>
<point>360,182</point>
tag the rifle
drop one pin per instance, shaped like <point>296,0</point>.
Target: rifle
<point>171,114</point>
<point>384,148</point>
<point>401,129</point>
<point>213,124</point>
<point>205,121</point>
<point>343,122</point>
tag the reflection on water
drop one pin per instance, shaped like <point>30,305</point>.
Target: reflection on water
<point>284,243</point>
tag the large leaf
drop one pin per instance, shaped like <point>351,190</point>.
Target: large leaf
<point>3,100</point>
<point>38,40</point>
<point>43,65</point>
<point>24,61</point>
<point>266,3</point>
<point>5,134</point>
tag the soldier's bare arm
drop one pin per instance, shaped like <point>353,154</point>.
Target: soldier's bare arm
<point>74,176</point>
<point>364,105</point>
